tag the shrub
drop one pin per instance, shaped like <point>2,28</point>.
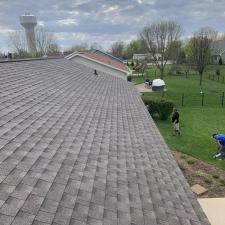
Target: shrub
<point>218,72</point>
<point>159,106</point>
<point>129,78</point>
<point>215,176</point>
<point>132,63</point>
<point>191,162</point>
<point>208,181</point>
<point>199,173</point>
<point>222,182</point>
<point>175,70</point>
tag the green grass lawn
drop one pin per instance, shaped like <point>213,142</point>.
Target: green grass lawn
<point>197,125</point>
<point>197,122</point>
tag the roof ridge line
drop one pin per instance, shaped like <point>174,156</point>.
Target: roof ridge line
<point>27,59</point>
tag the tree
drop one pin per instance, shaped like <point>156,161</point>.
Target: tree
<point>84,47</point>
<point>200,48</point>
<point>17,42</point>
<point>78,47</point>
<point>45,43</point>
<point>95,46</point>
<point>158,38</point>
<point>53,49</point>
<point>174,50</point>
<point>117,49</point>
<point>137,46</point>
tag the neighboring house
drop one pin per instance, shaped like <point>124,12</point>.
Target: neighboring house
<point>218,52</point>
<point>101,62</point>
<point>146,57</point>
<point>76,148</point>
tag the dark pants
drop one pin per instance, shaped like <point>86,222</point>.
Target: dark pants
<point>222,151</point>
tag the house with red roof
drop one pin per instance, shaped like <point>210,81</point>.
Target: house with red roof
<point>101,62</point>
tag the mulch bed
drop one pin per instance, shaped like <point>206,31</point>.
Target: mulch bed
<point>199,172</point>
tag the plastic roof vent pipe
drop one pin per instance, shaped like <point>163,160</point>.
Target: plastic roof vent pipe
<point>29,22</point>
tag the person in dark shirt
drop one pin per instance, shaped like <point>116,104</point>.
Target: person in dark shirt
<point>220,139</point>
<point>176,122</point>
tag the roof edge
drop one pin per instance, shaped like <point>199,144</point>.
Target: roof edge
<point>114,57</point>
<point>99,62</point>
<point>29,59</point>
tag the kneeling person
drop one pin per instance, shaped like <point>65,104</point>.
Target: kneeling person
<point>220,139</point>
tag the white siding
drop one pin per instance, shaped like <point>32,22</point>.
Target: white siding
<point>99,67</point>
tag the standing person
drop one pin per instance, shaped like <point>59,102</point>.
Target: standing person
<point>220,139</point>
<point>175,122</point>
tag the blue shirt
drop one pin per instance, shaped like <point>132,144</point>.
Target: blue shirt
<point>220,138</point>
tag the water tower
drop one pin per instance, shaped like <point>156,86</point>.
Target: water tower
<point>29,22</point>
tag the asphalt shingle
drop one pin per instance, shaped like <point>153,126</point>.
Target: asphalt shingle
<point>82,149</point>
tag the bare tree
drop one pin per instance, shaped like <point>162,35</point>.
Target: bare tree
<point>78,48</point>
<point>45,43</point>
<point>45,40</point>
<point>117,49</point>
<point>17,42</point>
<point>158,38</point>
<point>200,48</point>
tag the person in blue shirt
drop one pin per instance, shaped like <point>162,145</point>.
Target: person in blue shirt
<point>220,139</point>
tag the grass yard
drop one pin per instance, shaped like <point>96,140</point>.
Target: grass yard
<point>197,125</point>
<point>197,122</point>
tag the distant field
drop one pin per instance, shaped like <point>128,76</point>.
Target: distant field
<point>197,122</point>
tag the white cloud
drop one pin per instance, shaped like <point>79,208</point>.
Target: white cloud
<point>110,9</point>
<point>41,23</point>
<point>71,38</point>
<point>140,1</point>
<point>67,22</point>
<point>6,30</point>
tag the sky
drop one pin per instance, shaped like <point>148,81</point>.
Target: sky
<point>107,21</point>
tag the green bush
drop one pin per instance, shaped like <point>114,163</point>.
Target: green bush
<point>129,78</point>
<point>160,107</point>
<point>218,72</point>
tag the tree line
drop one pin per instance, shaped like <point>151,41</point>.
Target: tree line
<point>161,40</point>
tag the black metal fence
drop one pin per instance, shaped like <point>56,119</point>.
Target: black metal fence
<point>199,99</point>
<point>219,78</point>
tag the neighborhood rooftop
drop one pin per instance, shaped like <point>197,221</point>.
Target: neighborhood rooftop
<point>79,149</point>
<point>102,57</point>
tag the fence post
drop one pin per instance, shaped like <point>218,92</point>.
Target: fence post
<point>203,99</point>
<point>222,98</point>
<point>182,102</point>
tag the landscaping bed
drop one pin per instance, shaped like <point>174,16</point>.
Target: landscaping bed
<point>199,172</point>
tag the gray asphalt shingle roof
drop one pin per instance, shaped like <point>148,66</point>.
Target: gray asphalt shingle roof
<point>80,149</point>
